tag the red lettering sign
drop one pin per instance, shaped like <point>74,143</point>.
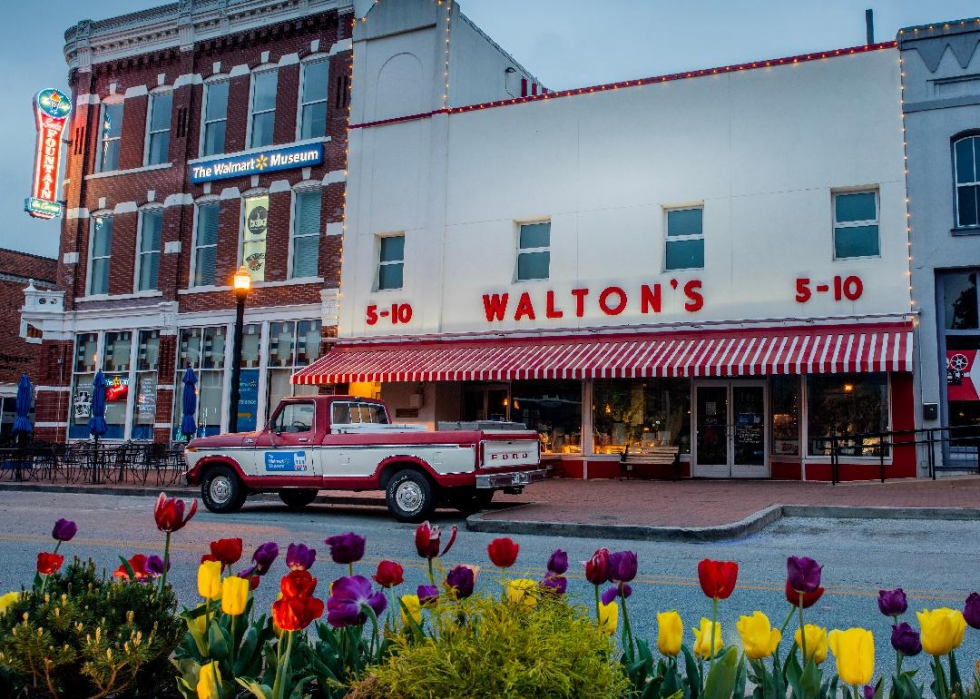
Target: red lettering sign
<point>396,313</point>
<point>850,288</point>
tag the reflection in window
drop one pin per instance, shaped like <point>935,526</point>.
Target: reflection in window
<point>292,345</point>
<point>641,413</point>
<point>117,349</point>
<point>101,253</point>
<point>111,136</point>
<point>553,409</point>
<point>263,108</point>
<point>847,405</point>
<point>148,256</point>
<point>313,102</point>
<point>145,405</point>
<point>206,244</point>
<point>203,350</point>
<point>306,233</point>
<point>785,398</point>
<point>86,346</point>
<point>161,106</point>
<point>215,117</point>
<point>960,298</point>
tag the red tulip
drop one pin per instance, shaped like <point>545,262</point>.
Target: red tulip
<point>208,557</point>
<point>138,564</point>
<point>297,583</point>
<point>48,563</point>
<point>503,552</point>
<point>390,574</point>
<point>228,551</point>
<point>597,567</point>
<point>809,598</point>
<point>717,578</point>
<point>427,540</point>
<point>169,513</point>
<point>296,613</point>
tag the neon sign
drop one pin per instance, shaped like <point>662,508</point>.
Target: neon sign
<point>51,110</point>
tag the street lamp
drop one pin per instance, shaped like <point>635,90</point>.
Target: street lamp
<point>242,284</point>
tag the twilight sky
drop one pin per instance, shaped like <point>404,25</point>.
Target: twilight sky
<point>565,43</point>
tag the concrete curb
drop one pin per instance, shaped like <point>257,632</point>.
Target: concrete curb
<point>752,524</point>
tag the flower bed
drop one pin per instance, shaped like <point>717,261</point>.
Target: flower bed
<point>73,633</point>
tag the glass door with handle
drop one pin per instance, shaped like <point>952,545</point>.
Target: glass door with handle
<point>731,438</point>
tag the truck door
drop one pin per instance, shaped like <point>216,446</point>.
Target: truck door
<point>287,447</point>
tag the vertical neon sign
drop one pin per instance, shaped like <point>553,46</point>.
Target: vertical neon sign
<point>51,110</point>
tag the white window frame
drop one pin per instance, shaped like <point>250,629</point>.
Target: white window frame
<point>191,279</point>
<point>317,58</point>
<point>854,224</point>
<point>251,106</point>
<point>214,80</point>
<point>957,184</point>
<point>138,265</point>
<point>377,256</point>
<point>148,133</point>
<point>297,192</point>
<point>99,158</point>
<point>520,250</point>
<point>91,254</point>
<point>680,238</point>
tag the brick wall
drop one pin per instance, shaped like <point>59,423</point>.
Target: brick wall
<point>16,270</point>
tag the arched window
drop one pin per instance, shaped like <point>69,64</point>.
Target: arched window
<point>966,161</point>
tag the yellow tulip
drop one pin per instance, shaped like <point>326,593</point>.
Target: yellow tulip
<point>608,617</point>
<point>209,580</point>
<point>670,633</point>
<point>816,642</point>
<point>7,600</point>
<point>414,607</point>
<point>209,680</point>
<point>941,630</point>
<point>523,592</point>
<point>234,595</point>
<point>702,639</point>
<point>854,651</point>
<point>758,637</point>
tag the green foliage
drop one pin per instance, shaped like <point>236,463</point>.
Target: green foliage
<point>479,647</point>
<point>340,657</point>
<point>91,636</point>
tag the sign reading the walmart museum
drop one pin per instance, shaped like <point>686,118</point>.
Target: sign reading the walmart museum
<point>257,162</point>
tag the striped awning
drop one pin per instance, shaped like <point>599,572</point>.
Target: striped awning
<point>742,352</point>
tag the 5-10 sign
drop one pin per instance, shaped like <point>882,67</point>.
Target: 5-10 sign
<point>396,313</point>
<point>849,288</point>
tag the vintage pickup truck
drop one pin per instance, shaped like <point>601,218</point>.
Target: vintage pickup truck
<point>345,443</point>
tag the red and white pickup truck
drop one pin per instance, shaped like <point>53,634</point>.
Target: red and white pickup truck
<point>345,443</point>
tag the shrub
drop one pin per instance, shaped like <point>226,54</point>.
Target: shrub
<point>479,647</point>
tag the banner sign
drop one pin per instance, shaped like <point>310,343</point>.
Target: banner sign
<point>248,399</point>
<point>959,379</point>
<point>269,160</point>
<point>51,110</point>
<point>256,227</point>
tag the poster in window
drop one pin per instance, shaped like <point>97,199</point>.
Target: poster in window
<point>146,401</point>
<point>255,228</point>
<point>959,379</point>
<point>248,399</point>
<point>82,404</point>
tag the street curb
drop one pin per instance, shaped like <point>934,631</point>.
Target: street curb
<point>752,524</point>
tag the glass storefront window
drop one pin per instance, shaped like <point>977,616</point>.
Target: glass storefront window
<point>203,350</point>
<point>86,352</point>
<point>116,394</point>
<point>145,405</point>
<point>292,345</point>
<point>785,400</point>
<point>641,413</point>
<point>553,409</point>
<point>251,343</point>
<point>213,351</point>
<point>848,405</point>
<point>960,297</point>
<point>117,349</point>
<point>81,404</point>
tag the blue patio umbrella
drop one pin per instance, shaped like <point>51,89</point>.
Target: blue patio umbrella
<point>96,423</point>
<point>22,423</point>
<point>188,427</point>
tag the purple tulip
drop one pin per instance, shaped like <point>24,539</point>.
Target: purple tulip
<point>461,579</point>
<point>971,612</point>
<point>868,691</point>
<point>154,566</point>
<point>803,573</point>
<point>612,593</point>
<point>346,549</point>
<point>558,562</point>
<point>427,594</point>
<point>248,572</point>
<point>622,566</point>
<point>64,530</point>
<point>906,640</point>
<point>555,583</point>
<point>300,557</point>
<point>892,602</point>
<point>349,600</point>
<point>264,556</point>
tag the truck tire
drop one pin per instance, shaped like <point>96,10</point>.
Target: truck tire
<point>222,491</point>
<point>410,496</point>
<point>470,500</point>
<point>298,498</point>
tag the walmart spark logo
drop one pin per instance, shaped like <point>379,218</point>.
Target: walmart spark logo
<point>261,163</point>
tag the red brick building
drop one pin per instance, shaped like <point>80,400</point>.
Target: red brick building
<point>204,136</point>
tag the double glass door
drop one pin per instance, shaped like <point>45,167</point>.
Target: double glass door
<point>731,430</point>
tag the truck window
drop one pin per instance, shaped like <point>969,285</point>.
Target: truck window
<point>294,417</point>
<point>358,413</point>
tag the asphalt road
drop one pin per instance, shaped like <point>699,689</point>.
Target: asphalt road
<point>936,562</point>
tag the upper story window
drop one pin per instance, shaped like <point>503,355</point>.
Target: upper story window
<point>966,153</point>
<point>206,244</point>
<point>100,252</point>
<point>215,118</point>
<point>264,86</point>
<point>110,136</point>
<point>855,224</point>
<point>684,239</point>
<point>313,100</point>
<point>306,234</point>
<point>158,127</point>
<point>534,251</point>
<point>391,262</point>
<point>148,251</point>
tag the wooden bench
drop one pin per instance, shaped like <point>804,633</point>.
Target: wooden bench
<point>665,455</point>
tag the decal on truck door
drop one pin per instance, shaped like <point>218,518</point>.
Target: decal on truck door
<point>285,461</point>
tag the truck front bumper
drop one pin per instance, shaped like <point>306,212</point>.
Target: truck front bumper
<point>514,479</point>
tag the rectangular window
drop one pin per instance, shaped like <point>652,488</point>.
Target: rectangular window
<point>313,101</point>
<point>206,244</point>
<point>685,239</point>
<point>641,413</point>
<point>86,351</point>
<point>306,233</point>
<point>110,136</point>
<point>254,231</point>
<point>534,251</point>
<point>203,350</point>
<point>854,407</point>
<point>966,154</point>
<point>785,398</point>
<point>264,86</point>
<point>148,255</point>
<point>292,345</point>
<point>553,409</point>
<point>215,118</point>
<point>145,405</point>
<point>118,346</point>
<point>960,301</point>
<point>101,252</point>
<point>855,225</point>
<point>391,262</point>
<point>158,143</point>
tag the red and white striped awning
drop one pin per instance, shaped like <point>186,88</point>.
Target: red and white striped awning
<point>742,352</point>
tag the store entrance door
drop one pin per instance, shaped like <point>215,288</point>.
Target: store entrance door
<point>485,401</point>
<point>731,430</point>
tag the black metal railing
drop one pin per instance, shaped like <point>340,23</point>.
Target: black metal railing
<point>85,462</point>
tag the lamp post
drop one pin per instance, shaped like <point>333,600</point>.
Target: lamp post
<point>242,284</point>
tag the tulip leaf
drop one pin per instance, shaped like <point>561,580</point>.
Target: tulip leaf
<point>810,680</point>
<point>721,678</point>
<point>128,568</point>
<point>259,691</point>
<point>693,672</point>
<point>218,642</point>
<point>955,683</point>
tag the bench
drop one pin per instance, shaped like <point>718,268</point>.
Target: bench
<point>665,455</point>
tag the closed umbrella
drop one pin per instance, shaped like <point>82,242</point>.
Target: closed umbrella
<point>188,426</point>
<point>22,423</point>
<point>96,423</point>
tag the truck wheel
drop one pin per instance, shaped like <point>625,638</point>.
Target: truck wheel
<point>470,500</point>
<point>222,491</point>
<point>298,498</point>
<point>410,496</point>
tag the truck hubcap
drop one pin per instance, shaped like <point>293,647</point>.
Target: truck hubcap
<point>408,495</point>
<point>220,490</point>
